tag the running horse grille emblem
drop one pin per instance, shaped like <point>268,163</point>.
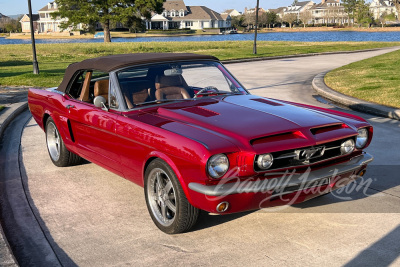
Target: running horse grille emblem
<point>305,155</point>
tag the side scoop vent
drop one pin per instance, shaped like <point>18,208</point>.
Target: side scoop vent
<point>328,128</point>
<point>265,101</point>
<point>201,111</point>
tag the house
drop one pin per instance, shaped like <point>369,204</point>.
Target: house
<point>45,23</point>
<point>298,7</point>
<point>379,8</point>
<point>232,12</point>
<point>253,10</point>
<point>278,11</point>
<point>177,15</point>
<point>25,22</point>
<point>329,12</point>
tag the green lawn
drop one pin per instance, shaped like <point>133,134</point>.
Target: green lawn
<point>376,79</point>
<point>16,60</point>
<point>1,108</point>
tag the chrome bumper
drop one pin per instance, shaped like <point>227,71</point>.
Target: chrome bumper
<point>288,180</point>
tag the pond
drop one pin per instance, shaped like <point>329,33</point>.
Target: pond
<point>324,36</point>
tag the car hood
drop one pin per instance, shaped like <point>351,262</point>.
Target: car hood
<point>255,122</point>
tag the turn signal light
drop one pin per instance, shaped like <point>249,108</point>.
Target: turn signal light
<point>223,206</point>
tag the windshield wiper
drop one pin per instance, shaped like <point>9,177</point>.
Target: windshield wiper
<point>220,93</point>
<point>162,101</point>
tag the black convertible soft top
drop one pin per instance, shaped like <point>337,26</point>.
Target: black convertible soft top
<point>114,62</point>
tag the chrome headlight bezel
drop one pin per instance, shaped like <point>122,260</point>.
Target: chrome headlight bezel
<point>347,147</point>
<point>362,138</point>
<point>265,161</point>
<point>217,166</point>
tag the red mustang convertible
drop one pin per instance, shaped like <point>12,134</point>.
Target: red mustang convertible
<point>185,129</point>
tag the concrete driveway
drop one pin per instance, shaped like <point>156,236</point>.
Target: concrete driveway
<point>92,217</point>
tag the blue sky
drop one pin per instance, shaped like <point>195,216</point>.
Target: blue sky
<point>14,7</point>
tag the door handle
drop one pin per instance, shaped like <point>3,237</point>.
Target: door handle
<point>69,106</point>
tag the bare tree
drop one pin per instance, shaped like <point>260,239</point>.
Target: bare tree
<point>305,17</point>
<point>290,18</point>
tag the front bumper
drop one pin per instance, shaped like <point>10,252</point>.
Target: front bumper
<point>246,194</point>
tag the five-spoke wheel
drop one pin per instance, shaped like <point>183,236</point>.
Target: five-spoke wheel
<point>166,201</point>
<point>59,154</point>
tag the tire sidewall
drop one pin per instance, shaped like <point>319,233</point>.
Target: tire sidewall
<point>180,196</point>
<point>64,156</point>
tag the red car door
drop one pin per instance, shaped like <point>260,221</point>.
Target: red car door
<point>94,133</point>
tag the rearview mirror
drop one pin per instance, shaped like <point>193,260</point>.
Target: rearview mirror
<point>173,72</point>
<point>100,102</point>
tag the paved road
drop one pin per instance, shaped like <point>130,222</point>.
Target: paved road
<point>94,218</point>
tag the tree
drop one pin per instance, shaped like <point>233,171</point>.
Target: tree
<point>272,18</point>
<point>350,9</point>
<point>362,13</point>
<point>237,21</point>
<point>249,19</point>
<point>290,18</point>
<point>305,17</point>
<point>89,12</point>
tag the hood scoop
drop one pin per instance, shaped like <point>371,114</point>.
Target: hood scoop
<point>328,128</point>
<point>201,111</point>
<point>265,101</point>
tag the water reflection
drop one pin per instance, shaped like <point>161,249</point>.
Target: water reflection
<point>340,36</point>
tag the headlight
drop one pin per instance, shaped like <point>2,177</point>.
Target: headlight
<point>362,138</point>
<point>347,147</point>
<point>265,161</point>
<point>217,165</point>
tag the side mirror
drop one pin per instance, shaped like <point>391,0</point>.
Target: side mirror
<point>100,102</point>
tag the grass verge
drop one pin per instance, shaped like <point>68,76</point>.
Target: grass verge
<point>375,79</point>
<point>16,60</point>
<point>1,108</point>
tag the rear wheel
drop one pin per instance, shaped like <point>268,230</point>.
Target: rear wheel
<point>58,153</point>
<point>167,204</point>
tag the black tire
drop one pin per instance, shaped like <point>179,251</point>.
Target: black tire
<point>59,154</point>
<point>185,215</point>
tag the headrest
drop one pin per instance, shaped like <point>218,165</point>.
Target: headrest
<point>101,87</point>
<point>165,81</point>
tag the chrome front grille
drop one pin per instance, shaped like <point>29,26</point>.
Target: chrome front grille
<point>304,156</point>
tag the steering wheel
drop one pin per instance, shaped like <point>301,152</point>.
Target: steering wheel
<point>208,88</point>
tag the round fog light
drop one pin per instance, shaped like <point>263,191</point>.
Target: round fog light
<point>347,147</point>
<point>265,161</point>
<point>223,206</point>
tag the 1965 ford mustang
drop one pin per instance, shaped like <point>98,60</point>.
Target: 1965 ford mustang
<point>185,129</point>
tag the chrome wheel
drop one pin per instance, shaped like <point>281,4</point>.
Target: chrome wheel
<point>161,197</point>
<point>53,141</point>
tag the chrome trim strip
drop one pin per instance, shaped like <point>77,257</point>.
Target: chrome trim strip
<point>295,180</point>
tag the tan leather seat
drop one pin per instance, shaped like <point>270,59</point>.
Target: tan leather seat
<point>138,97</point>
<point>101,89</point>
<point>86,87</point>
<point>171,87</point>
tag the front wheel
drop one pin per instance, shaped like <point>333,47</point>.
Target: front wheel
<point>58,153</point>
<point>167,204</point>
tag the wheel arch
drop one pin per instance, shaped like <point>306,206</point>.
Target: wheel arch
<point>159,155</point>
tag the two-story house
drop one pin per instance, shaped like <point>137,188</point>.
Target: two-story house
<point>44,22</point>
<point>177,15</point>
<point>380,8</point>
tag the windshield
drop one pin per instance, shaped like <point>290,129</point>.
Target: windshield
<point>175,81</point>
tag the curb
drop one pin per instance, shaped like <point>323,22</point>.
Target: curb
<point>232,61</point>
<point>12,116</point>
<point>8,257</point>
<point>322,89</point>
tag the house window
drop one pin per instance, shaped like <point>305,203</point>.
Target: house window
<point>181,13</point>
<point>189,23</point>
<point>172,13</point>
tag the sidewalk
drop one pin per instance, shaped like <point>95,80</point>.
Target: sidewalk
<point>6,116</point>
